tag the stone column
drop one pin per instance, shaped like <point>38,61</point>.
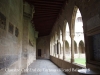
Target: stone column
<point>64,37</point>
<point>55,49</point>
<point>72,48</point>
<point>64,57</point>
<point>52,49</point>
<point>58,41</point>
<point>78,52</point>
<point>59,48</point>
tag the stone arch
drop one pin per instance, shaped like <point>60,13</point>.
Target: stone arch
<point>61,35</point>
<point>68,36</point>
<point>68,33</point>
<point>53,45</point>
<point>55,36</point>
<point>64,26</point>
<point>67,27</point>
<point>75,47</point>
<point>78,22</point>
<point>61,43</point>
<point>81,47</point>
<point>73,19</point>
<point>58,32</point>
<point>66,46</point>
<point>60,49</point>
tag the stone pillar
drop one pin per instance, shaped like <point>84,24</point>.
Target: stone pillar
<point>72,48</point>
<point>58,41</point>
<point>64,57</point>
<point>52,48</point>
<point>63,38</point>
<point>78,52</point>
<point>55,49</point>
<point>59,48</point>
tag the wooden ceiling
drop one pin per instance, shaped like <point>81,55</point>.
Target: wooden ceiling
<point>46,13</point>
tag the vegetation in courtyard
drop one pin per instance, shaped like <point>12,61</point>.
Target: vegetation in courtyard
<point>81,61</point>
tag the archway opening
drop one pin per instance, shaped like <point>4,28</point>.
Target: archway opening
<point>79,52</point>
<point>66,47</point>
<point>75,47</point>
<point>61,46</point>
<point>81,47</point>
<point>67,43</point>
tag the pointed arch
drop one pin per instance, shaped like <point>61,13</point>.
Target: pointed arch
<point>67,29</point>
<point>78,22</point>
<point>75,47</point>
<point>61,43</point>
<point>66,46</point>
<point>73,19</point>
<point>81,47</point>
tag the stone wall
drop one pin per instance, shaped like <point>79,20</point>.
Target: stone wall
<point>70,69</point>
<point>43,43</point>
<point>10,43</point>
<point>12,37</point>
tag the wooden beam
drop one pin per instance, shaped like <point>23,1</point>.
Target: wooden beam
<point>53,10</point>
<point>37,13</point>
<point>43,19</point>
<point>43,4</point>
<point>41,16</point>
<point>44,7</point>
<point>47,2</point>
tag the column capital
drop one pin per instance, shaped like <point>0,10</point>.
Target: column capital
<point>55,42</point>
<point>72,35</point>
<point>58,41</point>
<point>64,40</point>
<point>72,60</point>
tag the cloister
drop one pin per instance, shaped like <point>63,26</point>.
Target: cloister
<point>49,37</point>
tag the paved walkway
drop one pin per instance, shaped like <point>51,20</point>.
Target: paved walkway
<point>44,67</point>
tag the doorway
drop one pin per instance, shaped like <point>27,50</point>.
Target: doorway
<point>39,52</point>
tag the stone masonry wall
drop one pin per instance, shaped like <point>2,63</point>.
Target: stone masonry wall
<point>11,37</point>
<point>43,43</point>
<point>11,34</point>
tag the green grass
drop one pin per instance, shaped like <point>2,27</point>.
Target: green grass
<point>80,61</point>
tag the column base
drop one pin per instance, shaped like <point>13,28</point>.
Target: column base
<point>72,60</point>
<point>55,55</point>
<point>64,57</point>
<point>58,56</point>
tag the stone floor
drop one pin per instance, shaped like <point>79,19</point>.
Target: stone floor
<point>44,67</point>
